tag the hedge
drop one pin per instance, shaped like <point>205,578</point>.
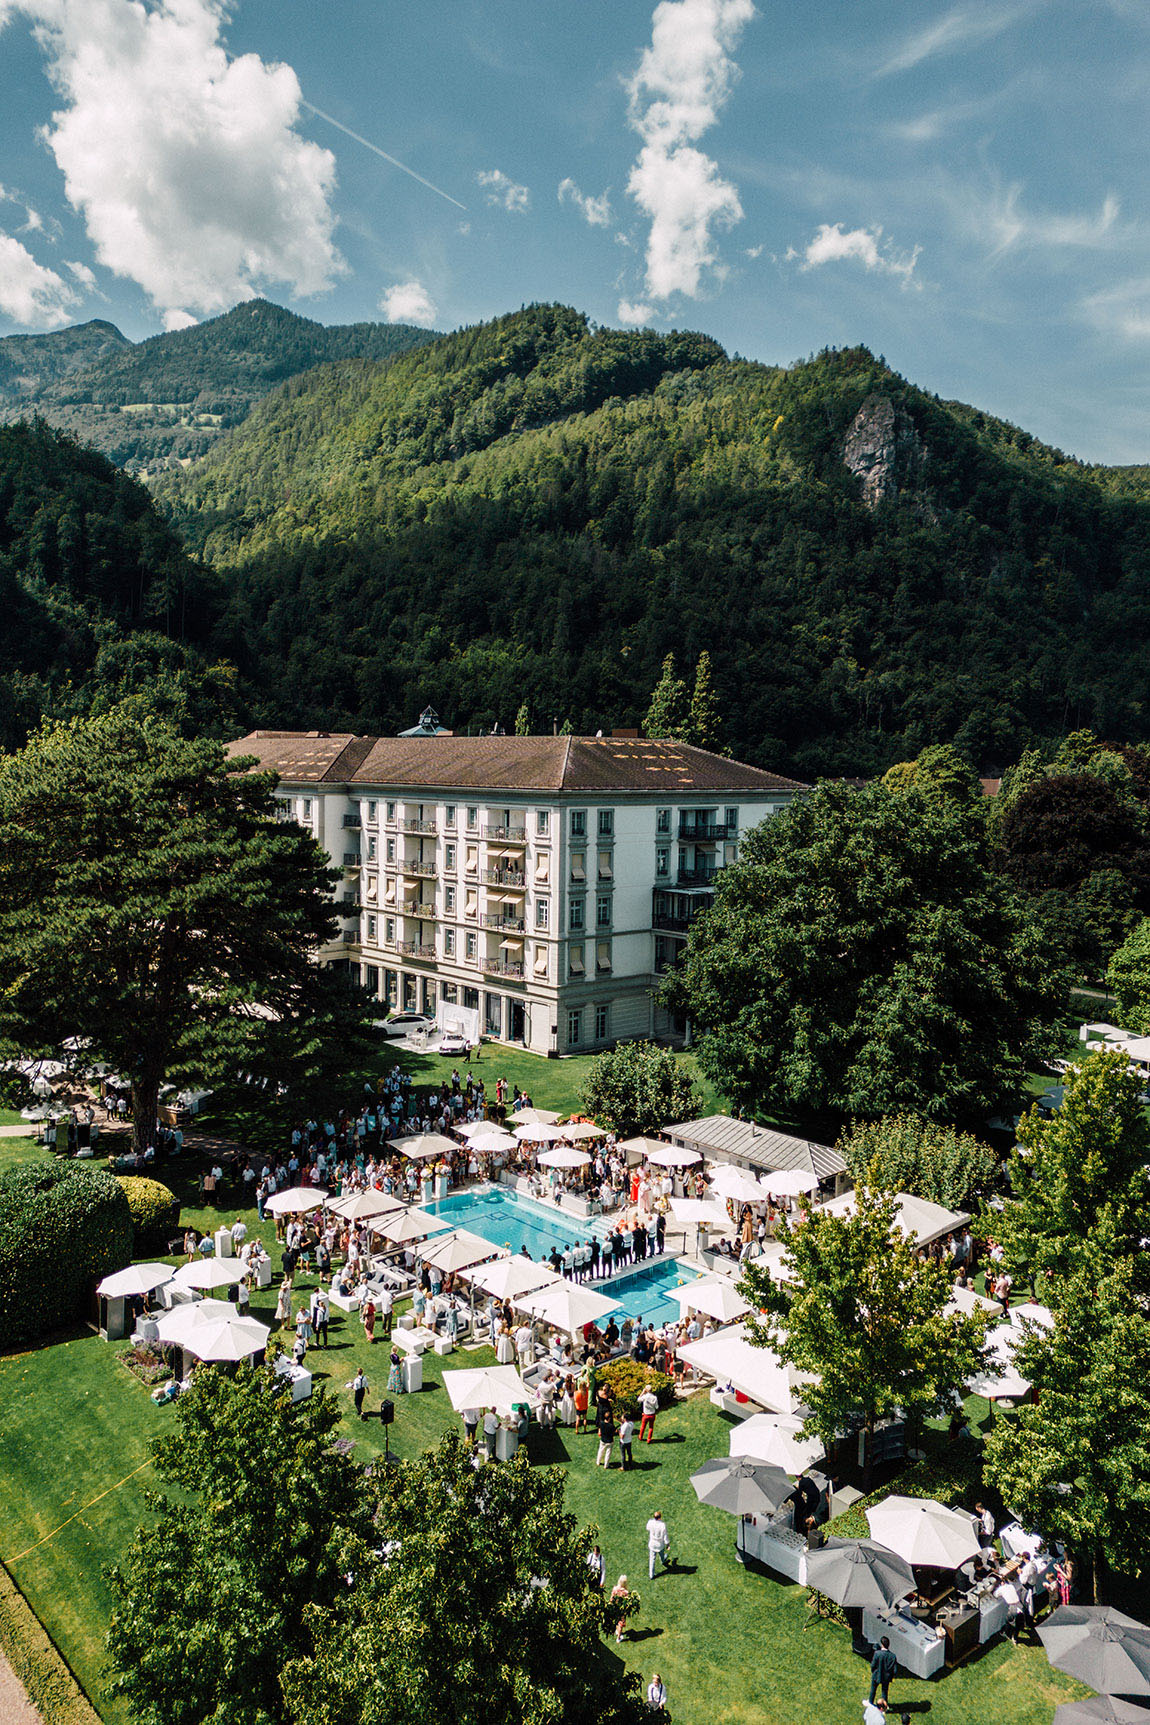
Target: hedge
<point>38,1663</point>
<point>62,1227</point>
<point>953,1478</point>
<point>627,1379</point>
<point>155,1212</point>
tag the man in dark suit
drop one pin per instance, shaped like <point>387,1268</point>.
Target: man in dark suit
<point>883,1666</point>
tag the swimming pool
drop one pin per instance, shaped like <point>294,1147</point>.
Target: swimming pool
<point>507,1219</point>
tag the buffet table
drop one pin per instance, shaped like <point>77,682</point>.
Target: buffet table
<point>918,1647</point>
<point>298,1376</point>
<point>774,1543</point>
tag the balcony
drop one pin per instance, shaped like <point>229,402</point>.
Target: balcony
<point>503,877</point>
<point>351,859</point>
<point>427,827</point>
<point>506,835</point>
<point>422,909</point>
<point>706,832</point>
<point>416,949</point>
<point>510,924</point>
<point>512,968</point>
<point>696,876</point>
<point>665,923</point>
<point>425,870</point>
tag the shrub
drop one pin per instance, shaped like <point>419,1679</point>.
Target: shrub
<point>62,1227</point>
<point>155,1212</point>
<point>627,1379</point>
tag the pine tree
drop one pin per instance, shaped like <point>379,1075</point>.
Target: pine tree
<point>667,713</point>
<point>523,722</point>
<point>704,720</point>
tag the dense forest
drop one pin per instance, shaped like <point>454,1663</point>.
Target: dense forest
<point>170,398</point>
<point>537,510</point>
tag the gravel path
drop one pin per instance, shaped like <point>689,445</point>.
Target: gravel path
<point>15,1707</point>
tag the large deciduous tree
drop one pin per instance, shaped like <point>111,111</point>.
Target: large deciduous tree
<point>863,1313</point>
<point>905,1153</point>
<point>864,957</point>
<point>1078,1181</point>
<point>640,1088</point>
<point>151,903</point>
<point>477,1604</point>
<point>211,1599</point>
<point>1128,975</point>
<point>1076,1463</point>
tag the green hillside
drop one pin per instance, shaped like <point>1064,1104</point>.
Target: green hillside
<point>171,397</point>
<point>535,510</point>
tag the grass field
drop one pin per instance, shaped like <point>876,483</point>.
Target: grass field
<point>75,1429</point>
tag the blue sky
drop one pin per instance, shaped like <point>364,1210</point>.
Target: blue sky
<point>961,187</point>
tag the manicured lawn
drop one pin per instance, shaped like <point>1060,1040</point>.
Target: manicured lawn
<point>730,1644</point>
<point>13,1151</point>
<point>554,1084</point>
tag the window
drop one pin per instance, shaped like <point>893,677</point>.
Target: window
<point>603,956</point>
<point>605,871</point>
<point>600,1024</point>
<point>390,987</point>
<point>542,822</point>
<point>606,823</point>
<point>372,811</point>
<point>449,815</point>
<point>577,912</point>
<point>448,899</point>
<point>391,850</point>
<point>732,822</point>
<point>472,819</point>
<point>472,861</point>
<point>603,911</point>
<point>578,866</point>
<point>542,912</point>
<point>471,947</point>
<point>471,999</point>
<point>471,908</point>
<point>575,960</point>
<point>542,869</point>
<point>389,893</point>
<point>662,861</point>
<point>574,1028</point>
<point>450,993</point>
<point>578,823</point>
<point>540,960</point>
<point>372,850</point>
<point>372,928</point>
<point>662,821</point>
<point>307,808</point>
<point>391,811</point>
<point>389,930</point>
<point>449,942</point>
<point>449,858</point>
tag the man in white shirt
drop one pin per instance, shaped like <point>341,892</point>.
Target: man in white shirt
<point>547,1401</point>
<point>658,1543</point>
<point>490,1427</point>
<point>525,1345</point>
<point>384,1304</point>
<point>874,1712</point>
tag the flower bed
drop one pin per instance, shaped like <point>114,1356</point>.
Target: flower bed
<point>146,1363</point>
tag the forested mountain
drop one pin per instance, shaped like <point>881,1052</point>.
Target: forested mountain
<point>98,598</point>
<point>170,398</point>
<point>537,511</point>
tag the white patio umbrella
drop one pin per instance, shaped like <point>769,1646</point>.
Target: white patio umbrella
<point>362,1206</point>
<point>210,1273</point>
<point>564,1158</point>
<point>789,1182</point>
<point>673,1156</point>
<point>407,1225</point>
<point>715,1295</point>
<point>485,1387</point>
<point>696,1210</point>
<point>1001,1376</point>
<point>218,1338</point>
<point>539,1133</point>
<point>1031,1313</point>
<point>923,1531</point>
<point>965,1300</point>
<point>458,1251</point>
<point>492,1138</point>
<point>295,1199</point>
<point>136,1279</point>
<point>188,1326</point>
<point>578,1131</point>
<point>507,1278</point>
<point>567,1306</point>
<point>476,1128</point>
<point>534,1117</point>
<point>733,1183</point>
<point>776,1438</point>
<point>39,1113</point>
<point>423,1146</point>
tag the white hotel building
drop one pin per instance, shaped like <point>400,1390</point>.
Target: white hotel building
<point>539,884</point>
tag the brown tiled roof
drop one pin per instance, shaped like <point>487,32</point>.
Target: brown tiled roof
<point>306,757</point>
<point>563,765</point>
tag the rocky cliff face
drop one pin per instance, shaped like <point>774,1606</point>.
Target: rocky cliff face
<point>882,449</point>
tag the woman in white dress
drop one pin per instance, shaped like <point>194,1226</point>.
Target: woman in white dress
<point>567,1402</point>
<point>505,1347</point>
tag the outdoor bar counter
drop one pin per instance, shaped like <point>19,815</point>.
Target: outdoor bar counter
<point>917,1646</point>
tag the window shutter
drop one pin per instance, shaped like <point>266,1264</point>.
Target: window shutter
<point>603,955</point>
<point>542,870</point>
<point>605,866</point>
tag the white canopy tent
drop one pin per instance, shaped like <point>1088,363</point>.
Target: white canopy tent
<point>567,1306</point>
<point>715,1295</point>
<point>363,1206</point>
<point>563,1158</point>
<point>458,1251</point>
<point>485,1387</point>
<point>295,1199</point>
<point>507,1278</point>
<point>912,1216</point>
<point>729,1358</point>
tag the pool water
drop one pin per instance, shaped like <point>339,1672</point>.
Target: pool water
<point>506,1219</point>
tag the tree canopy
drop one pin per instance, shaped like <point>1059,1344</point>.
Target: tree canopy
<point>905,1153</point>
<point>640,1088</point>
<point>864,957</point>
<point>863,1312</point>
<point>1128,974</point>
<point>151,902</point>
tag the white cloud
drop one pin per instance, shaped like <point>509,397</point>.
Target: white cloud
<point>29,293</point>
<point>503,192</point>
<point>1010,225</point>
<point>962,27</point>
<point>183,161</point>
<point>174,318</point>
<point>681,84</point>
<point>81,273</point>
<point>832,244</point>
<point>597,211</point>
<point>1122,310</point>
<point>408,302</point>
<point>632,312</point>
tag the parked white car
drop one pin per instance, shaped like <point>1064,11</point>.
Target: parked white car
<point>404,1023</point>
<point>453,1043</point>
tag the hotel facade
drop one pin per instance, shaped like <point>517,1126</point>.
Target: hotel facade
<point>529,889</point>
